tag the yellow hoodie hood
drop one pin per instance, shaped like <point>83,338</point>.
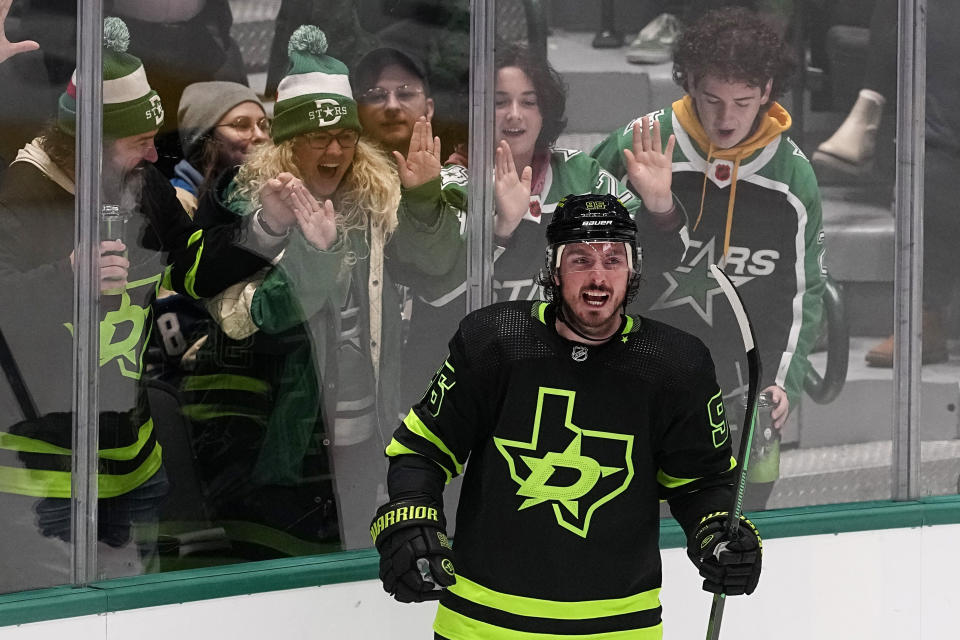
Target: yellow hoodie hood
<point>773,123</point>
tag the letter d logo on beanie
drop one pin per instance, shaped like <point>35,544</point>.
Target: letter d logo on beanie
<point>130,106</point>
<point>316,93</point>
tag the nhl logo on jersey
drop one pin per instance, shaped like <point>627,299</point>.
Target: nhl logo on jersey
<point>535,208</point>
<point>579,353</point>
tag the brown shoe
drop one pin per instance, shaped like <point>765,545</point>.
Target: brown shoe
<point>881,355</point>
<point>934,344</point>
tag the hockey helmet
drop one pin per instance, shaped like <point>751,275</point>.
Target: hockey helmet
<point>591,218</point>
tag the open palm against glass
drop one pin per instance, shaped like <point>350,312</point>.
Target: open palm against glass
<point>9,49</point>
<point>422,163</point>
<point>511,191</point>
<point>275,197</point>
<point>650,166</point>
<point>318,222</point>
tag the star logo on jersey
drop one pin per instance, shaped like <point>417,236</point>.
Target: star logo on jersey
<point>693,284</point>
<point>124,330</point>
<point>574,479</point>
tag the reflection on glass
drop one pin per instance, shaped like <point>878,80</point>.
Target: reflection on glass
<point>845,447</point>
<point>940,446</point>
<point>272,365</point>
<point>38,202</point>
<point>531,177</point>
<point>840,450</point>
<point>36,352</point>
<point>149,246</point>
<point>292,388</point>
<point>287,381</point>
<point>751,204</point>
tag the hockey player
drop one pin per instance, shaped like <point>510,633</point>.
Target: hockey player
<point>748,199</point>
<point>577,420</point>
<point>531,177</point>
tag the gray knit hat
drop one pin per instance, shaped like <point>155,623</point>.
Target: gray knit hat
<point>203,104</point>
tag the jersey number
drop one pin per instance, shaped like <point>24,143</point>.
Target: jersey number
<point>718,421</point>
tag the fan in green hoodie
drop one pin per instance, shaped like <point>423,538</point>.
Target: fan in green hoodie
<point>719,165</point>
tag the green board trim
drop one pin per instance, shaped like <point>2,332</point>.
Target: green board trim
<point>191,585</point>
<point>838,518</point>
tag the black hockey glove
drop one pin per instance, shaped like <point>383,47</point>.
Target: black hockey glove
<point>415,554</point>
<point>729,565</point>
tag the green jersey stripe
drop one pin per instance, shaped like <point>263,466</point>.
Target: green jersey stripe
<point>451,624</point>
<point>415,425</point>
<point>190,279</point>
<point>225,381</point>
<point>25,444</point>
<point>56,484</point>
<point>560,610</point>
<point>396,448</point>
<point>668,481</point>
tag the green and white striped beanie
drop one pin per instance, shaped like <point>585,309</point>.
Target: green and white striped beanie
<point>130,106</point>
<point>315,94</point>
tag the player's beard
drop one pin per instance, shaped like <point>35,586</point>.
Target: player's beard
<point>597,323</point>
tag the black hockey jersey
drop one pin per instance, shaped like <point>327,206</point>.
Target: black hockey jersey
<point>571,447</point>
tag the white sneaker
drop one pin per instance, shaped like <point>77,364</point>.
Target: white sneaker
<point>654,43</point>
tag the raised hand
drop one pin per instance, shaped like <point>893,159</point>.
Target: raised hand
<point>275,197</point>
<point>318,223</point>
<point>512,192</point>
<point>9,49</point>
<point>422,163</point>
<point>649,167</point>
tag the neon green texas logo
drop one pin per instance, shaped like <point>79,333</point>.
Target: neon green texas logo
<point>574,503</point>
<point>124,331</point>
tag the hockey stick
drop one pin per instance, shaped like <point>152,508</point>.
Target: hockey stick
<point>15,379</point>
<point>746,436</point>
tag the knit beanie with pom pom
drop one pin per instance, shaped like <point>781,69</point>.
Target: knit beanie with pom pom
<point>316,93</point>
<point>130,106</point>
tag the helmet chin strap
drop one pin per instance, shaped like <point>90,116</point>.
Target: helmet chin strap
<point>570,326</point>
